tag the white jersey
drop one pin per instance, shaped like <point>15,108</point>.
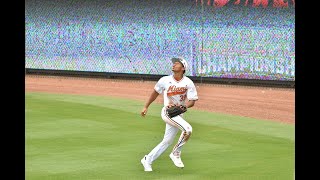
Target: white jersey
<point>176,92</point>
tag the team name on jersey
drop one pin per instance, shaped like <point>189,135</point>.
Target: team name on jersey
<point>173,90</point>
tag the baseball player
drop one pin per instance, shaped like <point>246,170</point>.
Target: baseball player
<point>176,89</point>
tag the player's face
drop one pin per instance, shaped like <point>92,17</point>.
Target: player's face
<point>177,67</point>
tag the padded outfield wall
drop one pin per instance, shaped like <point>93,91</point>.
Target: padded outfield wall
<point>140,37</point>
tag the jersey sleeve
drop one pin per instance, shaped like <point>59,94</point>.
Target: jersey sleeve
<point>192,92</point>
<point>159,87</point>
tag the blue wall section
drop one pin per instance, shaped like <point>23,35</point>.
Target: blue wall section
<point>140,37</point>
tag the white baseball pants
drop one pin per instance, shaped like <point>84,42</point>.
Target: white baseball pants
<point>172,127</point>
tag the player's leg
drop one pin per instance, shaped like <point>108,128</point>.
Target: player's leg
<point>186,129</point>
<point>169,135</point>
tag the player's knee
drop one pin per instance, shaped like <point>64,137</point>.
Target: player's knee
<point>189,130</point>
<point>187,133</point>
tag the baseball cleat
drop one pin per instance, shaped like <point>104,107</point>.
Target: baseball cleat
<point>146,164</point>
<point>176,160</point>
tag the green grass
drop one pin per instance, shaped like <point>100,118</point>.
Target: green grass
<point>90,137</point>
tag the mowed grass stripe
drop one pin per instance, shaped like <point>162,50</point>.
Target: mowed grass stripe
<point>246,124</point>
<point>87,138</point>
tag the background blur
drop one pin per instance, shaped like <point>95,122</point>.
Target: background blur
<point>140,37</point>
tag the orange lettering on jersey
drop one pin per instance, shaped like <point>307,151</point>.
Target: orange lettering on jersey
<point>173,90</point>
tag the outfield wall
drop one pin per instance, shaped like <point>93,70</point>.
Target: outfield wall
<point>148,77</point>
<point>139,38</point>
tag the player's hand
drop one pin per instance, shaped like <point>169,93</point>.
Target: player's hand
<point>144,111</point>
<point>170,105</point>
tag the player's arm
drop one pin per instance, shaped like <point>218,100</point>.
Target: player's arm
<point>192,95</point>
<point>152,97</point>
<point>190,103</point>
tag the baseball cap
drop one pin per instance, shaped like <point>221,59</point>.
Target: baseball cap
<point>181,60</point>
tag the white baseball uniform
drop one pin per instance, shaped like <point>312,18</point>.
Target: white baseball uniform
<point>174,92</point>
